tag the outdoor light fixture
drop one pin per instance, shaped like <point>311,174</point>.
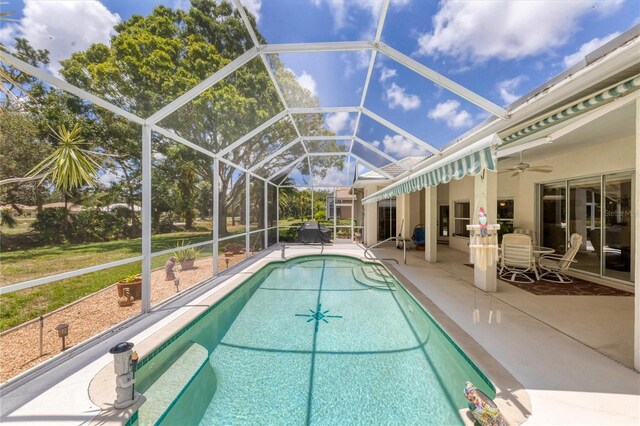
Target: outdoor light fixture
<point>176,282</point>
<point>227,262</point>
<point>63,331</point>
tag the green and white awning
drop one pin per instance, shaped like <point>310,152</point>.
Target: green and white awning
<point>468,165</point>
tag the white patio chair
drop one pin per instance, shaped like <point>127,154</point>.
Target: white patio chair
<point>517,258</point>
<point>553,266</point>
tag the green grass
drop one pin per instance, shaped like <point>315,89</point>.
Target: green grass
<point>23,265</point>
<point>22,227</point>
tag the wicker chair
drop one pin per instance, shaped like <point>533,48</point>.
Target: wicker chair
<point>517,258</point>
<point>554,266</point>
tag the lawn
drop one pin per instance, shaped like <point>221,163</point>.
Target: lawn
<point>22,265</point>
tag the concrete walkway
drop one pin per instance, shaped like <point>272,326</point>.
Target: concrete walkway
<point>568,382</point>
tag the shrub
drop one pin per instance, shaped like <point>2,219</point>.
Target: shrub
<point>55,226</point>
<point>183,254</point>
<point>320,216</point>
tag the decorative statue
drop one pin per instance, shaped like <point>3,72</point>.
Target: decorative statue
<point>168,269</point>
<point>483,409</point>
<point>124,367</point>
<point>126,299</point>
<point>482,220</point>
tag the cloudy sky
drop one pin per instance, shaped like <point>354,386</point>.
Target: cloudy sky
<point>499,49</point>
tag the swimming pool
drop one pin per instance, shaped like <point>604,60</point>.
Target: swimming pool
<point>314,340</point>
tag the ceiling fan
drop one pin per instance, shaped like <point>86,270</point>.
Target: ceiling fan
<point>522,167</point>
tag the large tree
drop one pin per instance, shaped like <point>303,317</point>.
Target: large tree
<point>154,59</point>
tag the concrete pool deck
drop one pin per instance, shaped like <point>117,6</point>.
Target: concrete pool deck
<point>565,381</point>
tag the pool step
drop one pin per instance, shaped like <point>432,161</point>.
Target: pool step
<point>361,278</point>
<point>378,274</point>
<point>168,386</point>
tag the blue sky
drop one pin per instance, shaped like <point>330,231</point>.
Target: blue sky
<point>500,49</point>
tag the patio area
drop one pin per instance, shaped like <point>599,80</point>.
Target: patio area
<point>602,323</point>
<point>586,379</point>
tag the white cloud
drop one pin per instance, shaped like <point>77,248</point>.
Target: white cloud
<point>307,82</point>
<point>340,10</point>
<point>587,48</point>
<point>386,73</point>
<point>63,27</point>
<point>253,7</point>
<point>400,147</point>
<point>334,176</point>
<point>503,29</point>
<point>450,112</point>
<point>398,98</point>
<point>339,121</point>
<point>507,88</point>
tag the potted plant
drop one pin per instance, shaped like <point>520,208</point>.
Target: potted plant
<point>186,256</point>
<point>133,283</point>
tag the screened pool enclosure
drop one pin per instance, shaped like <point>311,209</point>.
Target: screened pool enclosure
<point>209,148</point>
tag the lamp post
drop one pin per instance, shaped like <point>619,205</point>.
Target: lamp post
<point>63,331</point>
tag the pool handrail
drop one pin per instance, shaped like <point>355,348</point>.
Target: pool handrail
<point>404,250</point>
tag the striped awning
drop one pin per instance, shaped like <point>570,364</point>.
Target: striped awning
<point>469,165</point>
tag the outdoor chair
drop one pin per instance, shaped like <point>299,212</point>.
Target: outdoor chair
<point>517,258</point>
<point>554,266</point>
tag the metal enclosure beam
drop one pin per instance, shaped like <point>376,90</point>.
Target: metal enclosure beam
<point>372,167</point>
<point>202,86</point>
<point>323,110</point>
<point>253,133</point>
<point>331,46</point>
<point>61,84</point>
<point>146,219</point>
<point>399,130</point>
<point>379,152</point>
<point>274,154</point>
<point>215,215</point>
<point>443,81</point>
<point>372,60</point>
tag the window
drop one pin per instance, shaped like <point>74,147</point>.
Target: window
<point>505,211</point>
<point>461,218</point>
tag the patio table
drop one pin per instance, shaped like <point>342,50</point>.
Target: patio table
<point>537,252</point>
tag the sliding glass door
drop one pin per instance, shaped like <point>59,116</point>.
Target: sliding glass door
<point>585,203</point>
<point>599,209</point>
<point>553,216</point>
<point>617,222</point>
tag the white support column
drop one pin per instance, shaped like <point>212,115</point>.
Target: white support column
<point>277,214</point>
<point>353,213</point>
<point>370,229</point>
<point>215,214</point>
<point>485,194</point>
<point>312,212</point>
<point>247,214</point>
<point>335,212</point>
<point>146,219</point>
<point>636,262</point>
<point>265,225</point>
<point>431,224</point>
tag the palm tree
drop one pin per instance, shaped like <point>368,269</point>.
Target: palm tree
<point>6,219</point>
<point>70,165</point>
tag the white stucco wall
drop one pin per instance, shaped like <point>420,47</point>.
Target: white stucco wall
<point>609,157</point>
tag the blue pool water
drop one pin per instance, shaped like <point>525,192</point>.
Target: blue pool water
<point>315,340</point>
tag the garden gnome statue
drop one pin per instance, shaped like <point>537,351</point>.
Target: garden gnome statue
<point>168,269</point>
<point>122,365</point>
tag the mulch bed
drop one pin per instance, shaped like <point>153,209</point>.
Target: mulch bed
<point>19,346</point>
<point>578,287</point>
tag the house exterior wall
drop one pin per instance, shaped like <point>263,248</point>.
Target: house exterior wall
<point>609,157</point>
<point>370,217</point>
<point>459,191</point>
